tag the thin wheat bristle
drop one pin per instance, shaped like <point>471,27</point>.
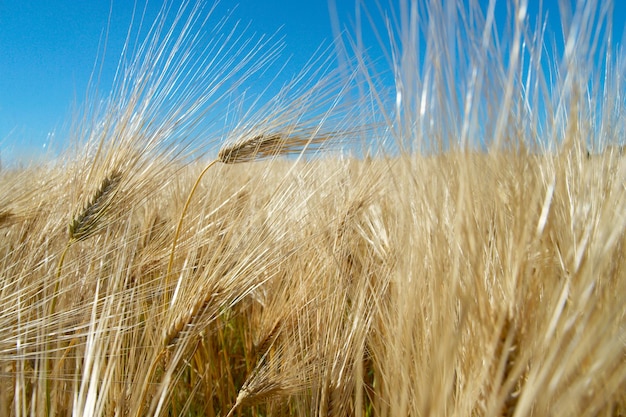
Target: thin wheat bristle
<point>86,223</point>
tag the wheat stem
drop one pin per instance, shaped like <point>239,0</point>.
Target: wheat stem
<point>180,224</point>
<point>151,370</point>
<point>50,313</point>
<point>58,277</point>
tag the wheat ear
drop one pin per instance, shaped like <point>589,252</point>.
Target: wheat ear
<point>267,145</point>
<point>86,224</point>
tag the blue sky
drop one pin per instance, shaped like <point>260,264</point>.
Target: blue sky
<point>48,50</point>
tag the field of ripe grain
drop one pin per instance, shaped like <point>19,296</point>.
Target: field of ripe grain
<point>472,264</point>
<point>461,284</point>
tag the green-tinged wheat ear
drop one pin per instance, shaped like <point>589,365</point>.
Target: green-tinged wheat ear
<point>87,222</point>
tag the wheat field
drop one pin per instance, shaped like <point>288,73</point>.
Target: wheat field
<point>437,275</point>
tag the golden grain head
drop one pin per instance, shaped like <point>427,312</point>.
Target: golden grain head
<point>87,222</point>
<point>268,145</point>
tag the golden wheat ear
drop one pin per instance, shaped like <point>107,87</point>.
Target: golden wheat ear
<point>87,222</point>
<point>267,145</point>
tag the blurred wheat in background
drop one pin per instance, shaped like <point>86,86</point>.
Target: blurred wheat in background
<point>468,260</point>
